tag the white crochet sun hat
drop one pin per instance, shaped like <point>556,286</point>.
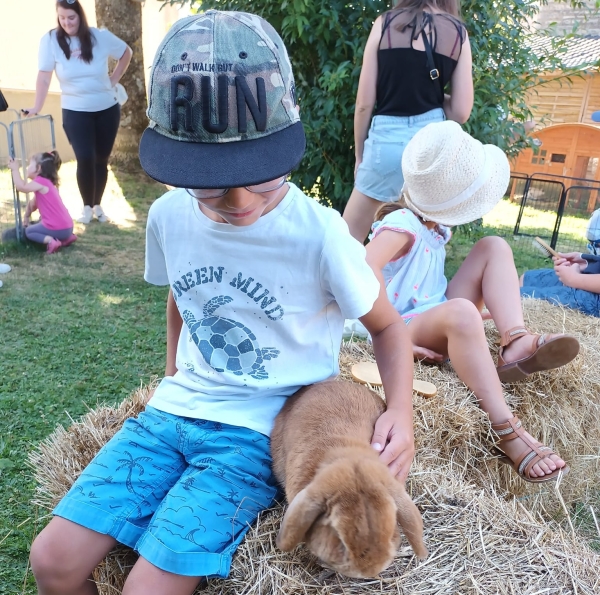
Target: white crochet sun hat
<point>451,178</point>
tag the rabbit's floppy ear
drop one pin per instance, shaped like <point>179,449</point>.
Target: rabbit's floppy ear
<point>302,512</point>
<point>409,518</point>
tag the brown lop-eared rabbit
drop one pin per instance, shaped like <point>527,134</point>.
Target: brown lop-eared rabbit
<point>343,501</point>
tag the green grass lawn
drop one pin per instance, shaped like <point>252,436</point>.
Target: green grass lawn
<point>501,221</point>
<point>77,328</point>
<point>82,327</point>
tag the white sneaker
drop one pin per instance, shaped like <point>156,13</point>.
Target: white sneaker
<point>86,215</point>
<point>99,214</point>
<point>4,268</point>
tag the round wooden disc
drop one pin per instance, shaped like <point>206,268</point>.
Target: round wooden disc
<point>427,389</point>
<point>368,373</point>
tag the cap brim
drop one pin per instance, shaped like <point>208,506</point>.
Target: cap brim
<point>482,201</point>
<point>222,165</point>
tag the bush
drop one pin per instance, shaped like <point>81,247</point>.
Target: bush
<point>325,41</point>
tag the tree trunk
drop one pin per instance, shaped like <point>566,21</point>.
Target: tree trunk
<point>124,19</point>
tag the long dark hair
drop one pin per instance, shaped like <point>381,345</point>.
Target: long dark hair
<point>415,6</point>
<point>86,37</point>
<point>49,164</point>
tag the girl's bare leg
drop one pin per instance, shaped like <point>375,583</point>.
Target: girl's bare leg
<point>146,578</point>
<point>360,213</point>
<point>488,275</point>
<point>64,555</point>
<point>455,328</point>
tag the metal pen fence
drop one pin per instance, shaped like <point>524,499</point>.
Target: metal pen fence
<point>8,199</point>
<point>20,138</point>
<point>555,208</point>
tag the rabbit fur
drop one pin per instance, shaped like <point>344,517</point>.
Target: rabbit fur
<point>343,501</point>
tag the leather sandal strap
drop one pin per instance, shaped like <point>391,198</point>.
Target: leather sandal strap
<point>511,334</point>
<point>509,430</point>
<point>531,459</point>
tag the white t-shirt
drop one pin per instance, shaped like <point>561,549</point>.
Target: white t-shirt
<point>415,282</point>
<point>85,87</point>
<point>592,233</point>
<point>263,305</point>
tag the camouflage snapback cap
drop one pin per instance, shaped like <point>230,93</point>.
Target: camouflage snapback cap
<point>222,106</point>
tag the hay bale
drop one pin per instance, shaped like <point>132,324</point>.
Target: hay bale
<point>480,540</point>
<point>478,543</point>
<point>560,407</point>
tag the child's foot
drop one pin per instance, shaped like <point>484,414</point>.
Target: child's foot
<point>4,268</point>
<point>524,353</point>
<point>533,461</point>
<point>53,246</point>
<point>86,215</point>
<point>99,214</point>
<point>72,238</point>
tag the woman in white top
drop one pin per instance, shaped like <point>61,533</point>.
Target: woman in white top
<point>91,113</point>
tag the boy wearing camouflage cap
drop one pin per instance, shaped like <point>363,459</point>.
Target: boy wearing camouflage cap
<point>261,278</point>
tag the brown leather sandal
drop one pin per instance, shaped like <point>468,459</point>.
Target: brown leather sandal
<point>547,354</point>
<point>511,429</point>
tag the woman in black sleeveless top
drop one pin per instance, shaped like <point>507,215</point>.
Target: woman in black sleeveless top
<point>413,52</point>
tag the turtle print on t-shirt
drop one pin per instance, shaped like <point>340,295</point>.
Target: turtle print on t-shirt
<point>228,345</point>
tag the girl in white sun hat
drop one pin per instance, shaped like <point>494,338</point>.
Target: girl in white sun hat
<point>451,179</point>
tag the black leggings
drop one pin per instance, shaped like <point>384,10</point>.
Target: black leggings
<point>92,136</point>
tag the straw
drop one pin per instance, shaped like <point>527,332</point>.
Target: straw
<point>487,530</point>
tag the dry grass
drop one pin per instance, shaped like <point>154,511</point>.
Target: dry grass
<point>482,540</point>
<point>560,407</point>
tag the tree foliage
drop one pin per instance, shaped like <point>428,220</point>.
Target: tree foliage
<point>326,39</point>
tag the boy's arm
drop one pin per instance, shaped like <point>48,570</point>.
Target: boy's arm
<point>174,324</point>
<point>393,433</point>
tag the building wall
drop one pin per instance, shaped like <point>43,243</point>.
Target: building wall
<point>23,23</point>
<point>566,17</point>
<point>562,101</point>
<point>565,150</point>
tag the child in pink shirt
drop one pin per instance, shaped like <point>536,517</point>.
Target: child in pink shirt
<point>55,228</point>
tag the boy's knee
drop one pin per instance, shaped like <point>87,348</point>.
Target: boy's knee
<point>44,564</point>
<point>48,567</point>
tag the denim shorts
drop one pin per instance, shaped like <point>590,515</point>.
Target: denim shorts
<point>544,284</point>
<point>379,176</point>
<point>181,492</point>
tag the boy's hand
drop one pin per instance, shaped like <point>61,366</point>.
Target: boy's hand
<point>568,273</point>
<point>395,443</point>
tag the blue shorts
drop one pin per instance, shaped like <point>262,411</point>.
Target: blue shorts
<point>379,176</point>
<point>544,284</point>
<point>181,492</point>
